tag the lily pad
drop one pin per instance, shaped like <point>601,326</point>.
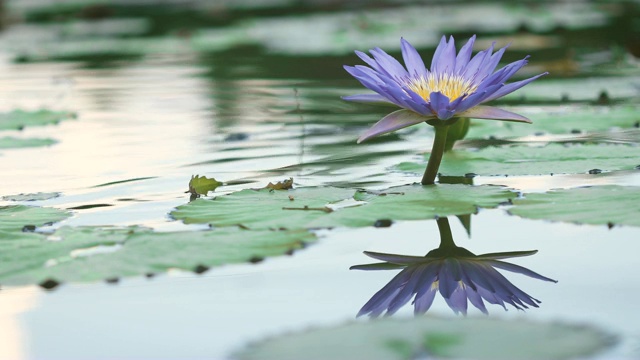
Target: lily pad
<point>78,254</point>
<point>15,217</point>
<point>559,120</point>
<point>523,160</point>
<point>31,197</point>
<point>8,142</point>
<point>598,205</point>
<point>305,208</point>
<point>431,337</point>
<point>19,119</point>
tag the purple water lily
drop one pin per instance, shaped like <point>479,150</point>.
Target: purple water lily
<point>455,86</point>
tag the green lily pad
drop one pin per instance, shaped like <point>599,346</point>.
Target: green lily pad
<point>306,208</point>
<point>31,197</point>
<point>15,217</point>
<point>523,160</point>
<point>559,120</point>
<point>598,205</point>
<point>19,119</point>
<point>78,254</point>
<point>8,142</point>
<point>434,337</point>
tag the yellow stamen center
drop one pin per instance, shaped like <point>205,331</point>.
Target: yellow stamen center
<point>452,86</point>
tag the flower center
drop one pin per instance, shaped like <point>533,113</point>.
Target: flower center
<point>452,86</point>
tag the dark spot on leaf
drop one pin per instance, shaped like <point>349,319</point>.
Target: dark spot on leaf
<point>29,228</point>
<point>49,284</point>
<point>564,98</point>
<point>290,252</point>
<point>149,275</point>
<point>470,175</point>
<point>603,98</point>
<point>576,131</point>
<point>383,223</point>
<point>610,225</point>
<point>256,259</point>
<point>112,280</point>
<point>637,124</point>
<point>595,171</point>
<point>539,133</point>
<point>638,167</point>
<point>200,269</point>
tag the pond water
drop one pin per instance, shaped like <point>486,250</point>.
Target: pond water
<point>250,94</point>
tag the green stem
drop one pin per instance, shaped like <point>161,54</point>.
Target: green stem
<point>446,239</point>
<point>436,155</point>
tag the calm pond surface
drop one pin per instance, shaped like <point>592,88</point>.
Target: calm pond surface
<point>249,93</point>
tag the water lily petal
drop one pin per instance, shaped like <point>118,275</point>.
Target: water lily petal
<point>396,120</point>
<point>438,101</point>
<point>423,302</point>
<point>464,55</point>
<point>408,290</point>
<point>412,59</point>
<point>506,255</point>
<point>390,65</point>
<point>395,258</point>
<point>371,62</point>
<point>493,113</point>
<point>367,98</point>
<point>381,299</point>
<point>458,300</point>
<point>509,88</point>
<point>377,266</point>
<point>439,50</point>
<point>476,300</point>
<point>518,269</point>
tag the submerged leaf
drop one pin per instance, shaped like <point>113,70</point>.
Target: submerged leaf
<point>598,205</point>
<point>428,336</point>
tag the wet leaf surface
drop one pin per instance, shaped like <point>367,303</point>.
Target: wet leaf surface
<point>524,160</point>
<point>599,205</point>
<point>81,254</point>
<point>306,208</point>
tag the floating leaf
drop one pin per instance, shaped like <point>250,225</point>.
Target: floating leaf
<point>431,337</point>
<point>91,253</point>
<point>15,217</point>
<point>559,120</point>
<point>304,208</point>
<point>19,119</point>
<point>523,160</point>
<point>201,185</point>
<point>31,197</point>
<point>598,205</point>
<point>9,142</point>
<point>281,185</point>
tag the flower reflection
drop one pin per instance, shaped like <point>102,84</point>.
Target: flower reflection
<point>455,272</point>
